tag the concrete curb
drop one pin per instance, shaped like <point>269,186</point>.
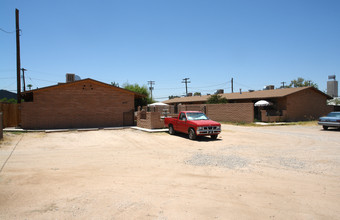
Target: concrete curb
<point>151,130</point>
<point>12,129</point>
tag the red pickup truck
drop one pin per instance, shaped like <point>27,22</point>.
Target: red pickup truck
<point>194,123</point>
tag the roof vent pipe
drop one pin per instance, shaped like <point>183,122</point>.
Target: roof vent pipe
<point>240,91</point>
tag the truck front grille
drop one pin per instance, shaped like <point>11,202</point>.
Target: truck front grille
<point>209,130</point>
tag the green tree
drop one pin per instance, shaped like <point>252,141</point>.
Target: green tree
<point>8,100</point>
<point>197,94</point>
<point>173,96</point>
<point>301,82</point>
<point>29,86</point>
<point>115,84</point>
<point>216,99</point>
<point>141,90</point>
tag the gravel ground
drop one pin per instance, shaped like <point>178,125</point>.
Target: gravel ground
<point>284,172</point>
<point>227,161</point>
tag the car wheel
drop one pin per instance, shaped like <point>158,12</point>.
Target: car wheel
<point>214,137</point>
<point>171,130</point>
<point>325,127</point>
<point>192,134</point>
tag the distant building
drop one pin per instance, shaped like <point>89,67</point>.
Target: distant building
<point>332,86</point>
<point>301,103</point>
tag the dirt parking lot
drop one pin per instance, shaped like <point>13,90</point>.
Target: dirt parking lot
<point>281,172</point>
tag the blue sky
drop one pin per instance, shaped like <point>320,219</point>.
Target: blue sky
<point>257,42</point>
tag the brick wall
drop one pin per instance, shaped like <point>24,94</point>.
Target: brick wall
<point>306,105</point>
<point>270,118</point>
<point>231,112</point>
<point>1,127</point>
<point>79,105</point>
<point>150,120</point>
<point>201,108</point>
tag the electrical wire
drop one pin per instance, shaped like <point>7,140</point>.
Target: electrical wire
<point>242,85</point>
<point>43,80</point>
<point>9,85</point>
<point>8,78</point>
<point>189,87</point>
<point>168,88</point>
<point>7,32</point>
<point>210,85</point>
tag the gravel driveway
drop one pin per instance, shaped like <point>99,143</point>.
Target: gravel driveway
<point>281,172</point>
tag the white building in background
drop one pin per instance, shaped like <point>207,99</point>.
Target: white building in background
<point>332,86</point>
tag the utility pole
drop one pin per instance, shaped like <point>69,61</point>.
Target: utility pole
<point>23,78</point>
<point>185,80</point>
<point>232,85</point>
<point>283,84</point>
<point>151,83</point>
<point>18,54</point>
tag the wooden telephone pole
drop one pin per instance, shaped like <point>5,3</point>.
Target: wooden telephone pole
<point>23,79</point>
<point>18,55</point>
<point>185,80</point>
<point>151,83</point>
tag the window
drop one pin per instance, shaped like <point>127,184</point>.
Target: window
<point>28,97</point>
<point>182,117</point>
<point>192,116</point>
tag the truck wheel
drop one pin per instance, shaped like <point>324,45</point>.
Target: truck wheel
<point>214,137</point>
<point>192,134</point>
<point>171,130</point>
<point>325,127</point>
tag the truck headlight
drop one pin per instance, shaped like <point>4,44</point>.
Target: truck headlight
<point>200,128</point>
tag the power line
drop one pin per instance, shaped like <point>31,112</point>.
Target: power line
<point>208,86</point>
<point>168,88</point>
<point>243,85</point>
<point>193,87</point>
<point>42,80</point>
<point>7,32</point>
<point>8,78</point>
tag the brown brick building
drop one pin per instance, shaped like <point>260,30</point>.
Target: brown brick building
<point>79,104</point>
<point>289,104</point>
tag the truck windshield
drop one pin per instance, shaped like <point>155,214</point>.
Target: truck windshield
<point>196,116</point>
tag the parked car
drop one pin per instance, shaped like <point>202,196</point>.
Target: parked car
<point>193,123</point>
<point>331,120</point>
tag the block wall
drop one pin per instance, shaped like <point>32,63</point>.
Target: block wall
<point>149,120</point>
<point>306,105</point>
<point>79,105</point>
<point>231,112</point>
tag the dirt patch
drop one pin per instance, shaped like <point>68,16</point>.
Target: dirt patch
<point>286,172</point>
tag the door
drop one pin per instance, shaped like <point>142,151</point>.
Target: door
<point>182,123</point>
